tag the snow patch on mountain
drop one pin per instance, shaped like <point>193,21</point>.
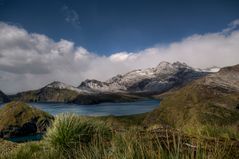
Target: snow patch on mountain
<point>212,69</point>
<point>161,78</point>
<point>60,85</point>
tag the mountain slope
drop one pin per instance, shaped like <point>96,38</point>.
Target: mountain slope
<point>138,82</point>
<point>159,79</point>
<point>211,100</point>
<point>97,98</point>
<point>53,92</point>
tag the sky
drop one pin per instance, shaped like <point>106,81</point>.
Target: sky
<point>73,40</point>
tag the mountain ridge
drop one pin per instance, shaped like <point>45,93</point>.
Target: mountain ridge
<point>156,80</point>
<point>160,78</point>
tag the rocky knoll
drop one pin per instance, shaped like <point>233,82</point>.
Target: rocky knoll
<point>19,119</point>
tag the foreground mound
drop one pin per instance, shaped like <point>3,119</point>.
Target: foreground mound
<point>17,119</point>
<point>212,100</point>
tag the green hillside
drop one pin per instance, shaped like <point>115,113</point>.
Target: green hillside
<point>212,101</point>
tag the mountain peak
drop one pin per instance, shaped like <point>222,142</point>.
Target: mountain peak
<point>163,64</point>
<point>180,65</point>
<point>160,78</point>
<point>56,84</point>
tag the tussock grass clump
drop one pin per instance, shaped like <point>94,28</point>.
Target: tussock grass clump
<point>70,133</point>
<point>227,132</point>
<point>75,137</point>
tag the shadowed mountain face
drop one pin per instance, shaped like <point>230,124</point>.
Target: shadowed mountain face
<point>46,94</point>
<point>119,88</point>
<point>97,98</point>
<point>3,97</point>
<point>213,99</point>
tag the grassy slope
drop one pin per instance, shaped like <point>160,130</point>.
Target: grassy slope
<point>72,136</point>
<point>195,106</point>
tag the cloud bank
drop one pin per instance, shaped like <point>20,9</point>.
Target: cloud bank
<point>30,60</point>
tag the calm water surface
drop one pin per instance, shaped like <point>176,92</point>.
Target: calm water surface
<point>102,109</point>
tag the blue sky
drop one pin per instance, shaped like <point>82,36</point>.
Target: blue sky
<point>74,40</point>
<point>109,26</point>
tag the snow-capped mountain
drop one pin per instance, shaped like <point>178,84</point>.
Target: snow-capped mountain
<point>61,85</point>
<point>159,79</point>
<point>53,92</point>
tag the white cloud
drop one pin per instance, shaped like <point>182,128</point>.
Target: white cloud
<point>120,57</point>
<point>30,60</point>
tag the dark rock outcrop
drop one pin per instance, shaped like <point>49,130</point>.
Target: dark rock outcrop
<point>3,97</point>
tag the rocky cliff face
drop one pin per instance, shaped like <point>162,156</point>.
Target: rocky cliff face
<point>159,79</point>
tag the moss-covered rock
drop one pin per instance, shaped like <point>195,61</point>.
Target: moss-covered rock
<point>18,118</point>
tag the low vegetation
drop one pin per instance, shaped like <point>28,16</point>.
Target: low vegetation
<point>72,136</point>
<point>197,108</point>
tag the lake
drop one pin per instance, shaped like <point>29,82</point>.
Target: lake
<point>102,109</point>
<point>117,109</point>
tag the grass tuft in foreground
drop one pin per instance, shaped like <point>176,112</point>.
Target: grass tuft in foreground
<point>70,133</point>
<point>71,136</point>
